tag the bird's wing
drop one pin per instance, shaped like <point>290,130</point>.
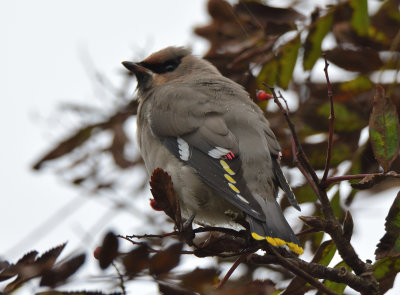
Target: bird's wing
<point>196,133</point>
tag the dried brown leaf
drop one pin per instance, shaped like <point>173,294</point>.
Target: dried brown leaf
<point>163,192</point>
<point>136,260</point>
<point>59,274</point>
<point>108,250</point>
<point>165,260</point>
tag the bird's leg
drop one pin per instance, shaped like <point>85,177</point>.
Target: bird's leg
<point>187,230</point>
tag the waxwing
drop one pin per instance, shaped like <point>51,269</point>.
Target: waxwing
<point>215,143</point>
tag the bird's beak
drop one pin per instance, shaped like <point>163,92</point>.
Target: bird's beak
<point>135,67</point>
<point>143,75</point>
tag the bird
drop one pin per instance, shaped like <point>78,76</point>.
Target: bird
<point>204,130</point>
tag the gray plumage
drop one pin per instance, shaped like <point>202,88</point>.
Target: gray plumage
<point>214,142</point>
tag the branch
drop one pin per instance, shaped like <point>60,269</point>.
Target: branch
<point>344,247</point>
<point>238,261</point>
<point>339,275</point>
<point>295,269</point>
<point>331,123</point>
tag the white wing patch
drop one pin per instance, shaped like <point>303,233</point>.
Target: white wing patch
<point>183,147</point>
<point>218,152</point>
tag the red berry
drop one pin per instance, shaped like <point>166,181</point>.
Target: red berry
<point>96,252</point>
<point>154,205</point>
<point>262,95</point>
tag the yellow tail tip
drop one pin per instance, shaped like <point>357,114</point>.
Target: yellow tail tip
<point>279,242</point>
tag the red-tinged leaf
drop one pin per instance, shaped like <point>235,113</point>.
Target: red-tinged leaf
<point>385,272</point>
<point>108,250</point>
<point>317,33</point>
<point>59,274</point>
<point>287,61</point>
<point>323,256</point>
<point>136,260</point>
<point>360,18</point>
<point>384,129</point>
<point>389,245</point>
<point>166,260</point>
<point>200,280</point>
<point>360,60</point>
<point>163,192</point>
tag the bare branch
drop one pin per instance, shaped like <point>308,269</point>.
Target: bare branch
<point>331,122</point>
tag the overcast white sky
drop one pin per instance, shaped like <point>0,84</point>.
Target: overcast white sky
<point>44,47</point>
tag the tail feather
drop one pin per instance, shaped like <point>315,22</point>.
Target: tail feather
<point>275,230</point>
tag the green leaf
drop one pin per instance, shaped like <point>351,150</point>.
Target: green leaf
<point>268,73</point>
<point>347,120</point>
<point>385,271</point>
<point>337,208</point>
<point>287,61</point>
<point>312,47</point>
<point>389,245</point>
<point>360,18</point>
<point>384,129</point>
<point>357,85</point>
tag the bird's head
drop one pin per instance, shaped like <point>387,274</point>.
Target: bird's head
<point>171,64</point>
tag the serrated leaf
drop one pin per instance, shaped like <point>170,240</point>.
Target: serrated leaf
<point>389,245</point>
<point>28,270</point>
<point>287,61</point>
<point>166,260</point>
<point>385,271</point>
<point>312,46</point>
<point>384,129</point>
<point>360,18</point>
<point>59,274</point>
<point>163,192</point>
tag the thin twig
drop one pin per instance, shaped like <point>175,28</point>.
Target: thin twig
<point>235,265</point>
<point>331,123</point>
<point>301,273</point>
<point>334,179</point>
<point>121,279</point>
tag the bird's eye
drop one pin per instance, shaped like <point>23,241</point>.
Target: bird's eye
<point>170,66</point>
